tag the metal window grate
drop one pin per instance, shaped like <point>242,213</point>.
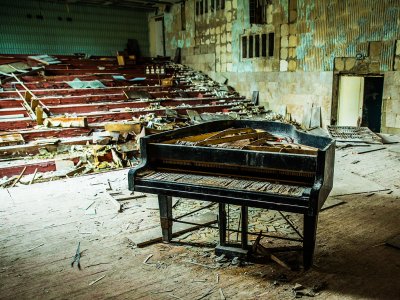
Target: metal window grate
<point>353,134</point>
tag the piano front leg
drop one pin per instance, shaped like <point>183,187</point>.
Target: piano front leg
<point>310,232</point>
<point>245,223</point>
<point>222,223</point>
<point>165,205</point>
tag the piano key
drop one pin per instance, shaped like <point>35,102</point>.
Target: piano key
<point>227,182</point>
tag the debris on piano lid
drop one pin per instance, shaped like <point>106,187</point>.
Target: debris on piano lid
<point>246,138</point>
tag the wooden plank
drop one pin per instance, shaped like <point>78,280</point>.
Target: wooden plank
<point>371,150</point>
<point>152,236</point>
<point>331,202</point>
<point>123,127</point>
<point>230,131</point>
<point>234,138</point>
<point>115,202</point>
<point>66,122</point>
<point>19,177</point>
<point>15,116</point>
<point>11,139</point>
<point>194,138</point>
<point>26,98</point>
<point>283,149</point>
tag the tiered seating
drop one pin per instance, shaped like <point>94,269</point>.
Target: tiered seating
<point>109,92</point>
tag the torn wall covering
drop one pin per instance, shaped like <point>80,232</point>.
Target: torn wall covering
<point>318,37</point>
<point>69,28</point>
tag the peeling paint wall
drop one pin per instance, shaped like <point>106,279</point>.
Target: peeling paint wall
<point>313,40</point>
<point>328,29</point>
<point>391,103</point>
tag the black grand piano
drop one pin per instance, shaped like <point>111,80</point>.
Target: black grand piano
<point>259,164</point>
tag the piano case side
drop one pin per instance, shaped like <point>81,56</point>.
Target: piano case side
<point>141,166</point>
<point>324,178</point>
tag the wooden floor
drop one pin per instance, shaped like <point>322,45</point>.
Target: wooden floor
<point>41,225</point>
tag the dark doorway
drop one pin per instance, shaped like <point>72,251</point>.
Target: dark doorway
<point>372,104</point>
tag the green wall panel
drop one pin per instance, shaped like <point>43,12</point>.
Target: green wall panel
<point>92,30</point>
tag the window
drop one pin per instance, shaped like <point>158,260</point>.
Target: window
<point>251,46</point>
<point>244,47</point>
<point>271,44</point>
<point>183,16</point>
<point>256,45</point>
<point>264,45</point>
<point>209,6</point>
<point>258,10</point>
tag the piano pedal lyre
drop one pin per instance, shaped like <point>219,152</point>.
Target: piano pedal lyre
<point>229,250</point>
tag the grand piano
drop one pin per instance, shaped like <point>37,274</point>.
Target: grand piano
<point>259,164</point>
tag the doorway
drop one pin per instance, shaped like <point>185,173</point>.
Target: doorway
<point>157,40</point>
<point>372,107</point>
<point>360,101</point>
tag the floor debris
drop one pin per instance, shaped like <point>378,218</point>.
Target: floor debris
<point>97,280</point>
<point>33,248</point>
<point>145,262</point>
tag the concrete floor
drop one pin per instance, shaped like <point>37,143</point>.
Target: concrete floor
<point>41,225</point>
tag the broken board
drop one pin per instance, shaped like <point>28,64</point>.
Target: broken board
<point>11,139</point>
<point>331,202</point>
<point>152,236</point>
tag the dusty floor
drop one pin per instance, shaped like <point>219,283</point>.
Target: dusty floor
<point>41,225</point>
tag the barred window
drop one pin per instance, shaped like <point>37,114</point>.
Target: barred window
<point>258,10</point>
<point>256,45</point>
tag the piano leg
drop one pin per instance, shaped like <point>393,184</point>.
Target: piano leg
<point>310,231</point>
<point>222,223</point>
<point>244,226</point>
<point>165,205</point>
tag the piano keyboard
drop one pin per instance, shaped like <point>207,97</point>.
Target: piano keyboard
<point>228,183</point>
